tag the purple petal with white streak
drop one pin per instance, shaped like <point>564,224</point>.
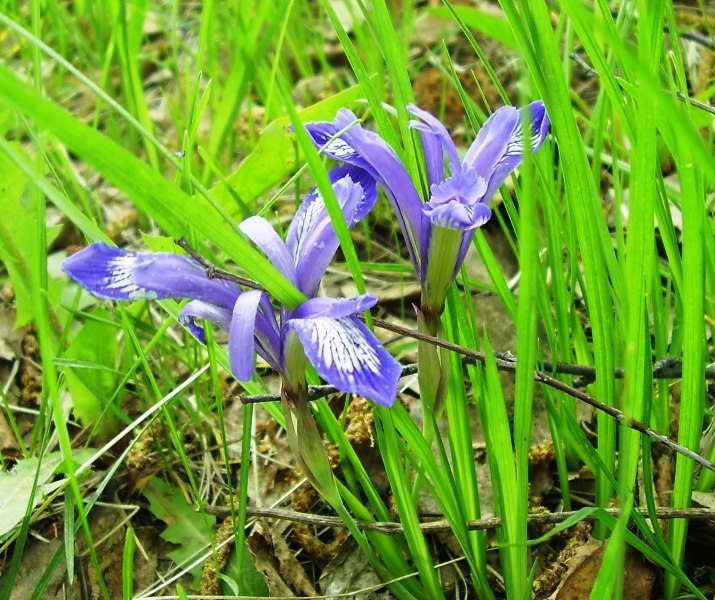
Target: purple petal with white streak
<point>261,233</point>
<point>367,150</point>
<point>312,210</point>
<point>317,245</point>
<point>499,147</point>
<point>241,345</point>
<point>110,272</point>
<point>334,308</point>
<point>492,140</point>
<point>324,137</point>
<point>353,215</point>
<point>347,355</point>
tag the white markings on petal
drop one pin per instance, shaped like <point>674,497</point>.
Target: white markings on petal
<point>347,355</point>
<point>343,347</point>
<point>120,281</point>
<point>339,148</point>
<point>307,221</point>
<point>515,147</point>
<point>120,269</point>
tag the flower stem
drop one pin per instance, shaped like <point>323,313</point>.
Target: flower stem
<point>433,371</point>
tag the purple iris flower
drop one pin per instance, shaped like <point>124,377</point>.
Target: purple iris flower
<point>438,231</point>
<point>343,351</point>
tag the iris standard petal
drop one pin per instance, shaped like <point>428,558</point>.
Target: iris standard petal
<point>241,334</point>
<point>325,137</point>
<point>540,123</point>
<point>347,355</point>
<point>514,153</point>
<point>367,150</point>
<point>334,308</point>
<point>432,128</point>
<point>492,140</point>
<point>434,157</point>
<point>499,147</point>
<point>201,310</point>
<point>316,247</point>
<point>312,210</point>
<point>385,165</point>
<point>261,233</point>
<point>110,272</point>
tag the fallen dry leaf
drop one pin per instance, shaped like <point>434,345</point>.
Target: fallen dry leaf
<point>8,444</point>
<point>584,566</point>
<point>348,573</point>
<point>277,563</point>
<point>704,499</point>
<point>10,338</point>
<point>266,564</point>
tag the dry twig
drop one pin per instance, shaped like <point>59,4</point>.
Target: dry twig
<point>665,368</point>
<point>441,525</point>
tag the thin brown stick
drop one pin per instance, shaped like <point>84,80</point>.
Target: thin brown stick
<point>440,525</point>
<point>212,271</point>
<point>504,362</point>
<point>589,71</point>
<point>314,391</point>
<point>509,364</point>
<point>664,368</point>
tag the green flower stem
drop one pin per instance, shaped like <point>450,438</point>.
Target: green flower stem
<point>303,435</point>
<point>433,376</point>
<point>433,367</point>
<point>306,442</point>
<point>442,257</point>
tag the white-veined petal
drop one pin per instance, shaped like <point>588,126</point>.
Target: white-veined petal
<point>110,272</point>
<point>347,355</point>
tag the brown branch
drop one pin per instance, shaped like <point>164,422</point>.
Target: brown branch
<point>509,364</point>
<point>589,71</point>
<point>212,271</point>
<point>314,391</point>
<point>504,362</point>
<point>440,525</point>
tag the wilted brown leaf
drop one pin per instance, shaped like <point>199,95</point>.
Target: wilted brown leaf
<point>274,559</point>
<point>585,565</point>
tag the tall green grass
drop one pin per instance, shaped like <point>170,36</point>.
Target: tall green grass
<point>590,290</point>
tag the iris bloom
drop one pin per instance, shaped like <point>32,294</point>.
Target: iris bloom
<point>438,231</point>
<point>342,350</point>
